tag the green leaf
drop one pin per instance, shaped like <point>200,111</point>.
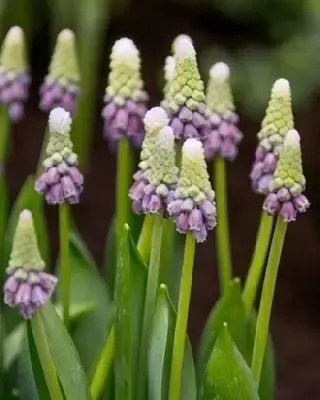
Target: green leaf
<point>131,276</point>
<point>87,287</point>
<point>160,353</point>
<point>227,375</point>
<point>64,355</point>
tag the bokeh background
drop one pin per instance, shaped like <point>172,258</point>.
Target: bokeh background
<point>262,41</point>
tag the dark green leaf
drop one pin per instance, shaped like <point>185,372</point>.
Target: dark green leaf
<point>64,355</point>
<point>160,353</point>
<point>227,375</point>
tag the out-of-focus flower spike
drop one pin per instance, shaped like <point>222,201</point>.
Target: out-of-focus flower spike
<point>27,287</point>
<point>14,73</point>
<point>125,99</point>
<point>169,67</point>
<point>286,191</point>
<point>185,101</point>
<point>224,136</point>
<point>277,122</point>
<point>193,206</point>
<point>61,87</point>
<point>155,189</point>
<point>62,181</point>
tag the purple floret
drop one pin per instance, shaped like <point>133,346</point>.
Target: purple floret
<point>263,169</point>
<point>14,91</point>
<point>53,94</point>
<point>29,290</point>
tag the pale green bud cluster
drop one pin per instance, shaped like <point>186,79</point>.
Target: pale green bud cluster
<point>186,87</point>
<point>64,67</point>
<point>163,169</point>
<point>289,171</point>
<point>25,253</point>
<point>59,146</point>
<point>13,57</point>
<point>177,40</point>
<point>194,179</point>
<point>154,120</point>
<point>169,68</point>
<point>125,77</point>
<point>219,96</point>
<point>279,119</point>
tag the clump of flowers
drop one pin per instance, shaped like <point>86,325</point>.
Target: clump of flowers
<point>158,176</point>
<point>125,100</point>
<point>27,287</point>
<point>193,206</point>
<point>14,73</point>
<point>224,136</point>
<point>61,87</point>
<point>286,190</point>
<point>185,101</point>
<point>277,122</point>
<point>61,181</point>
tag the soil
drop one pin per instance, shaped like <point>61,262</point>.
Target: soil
<point>295,318</point>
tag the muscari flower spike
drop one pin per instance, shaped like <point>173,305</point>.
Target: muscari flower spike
<point>14,75</point>
<point>27,287</point>
<point>286,197</point>
<point>193,206</point>
<point>61,181</point>
<point>224,136</point>
<point>277,122</point>
<point>169,67</point>
<point>61,87</point>
<point>125,100</point>
<point>185,101</point>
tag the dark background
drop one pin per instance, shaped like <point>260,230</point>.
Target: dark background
<point>262,41</point>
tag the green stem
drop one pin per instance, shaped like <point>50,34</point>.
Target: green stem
<point>64,224</point>
<point>42,156</point>
<point>167,252</point>
<point>124,173</point>
<point>182,319</point>
<point>223,236</point>
<point>144,242</point>
<point>103,366</point>
<point>149,305</point>
<point>257,262</point>
<point>267,295</point>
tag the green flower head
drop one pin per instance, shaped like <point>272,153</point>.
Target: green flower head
<point>13,57</point>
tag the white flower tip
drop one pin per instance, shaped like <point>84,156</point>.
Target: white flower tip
<point>25,215</point>
<point>125,48</point>
<point>156,117</point>
<point>281,87</point>
<point>15,35</point>
<point>220,71</point>
<point>166,138</point>
<point>169,67</point>
<point>66,35</point>
<point>60,121</point>
<point>192,148</point>
<point>184,48</point>
<point>176,41</point>
<point>292,138</point>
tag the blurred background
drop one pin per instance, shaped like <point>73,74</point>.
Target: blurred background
<point>262,41</point>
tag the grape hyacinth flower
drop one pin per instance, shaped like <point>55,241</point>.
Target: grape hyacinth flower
<point>152,193</point>
<point>286,196</point>
<point>61,181</point>
<point>27,287</point>
<point>178,39</point>
<point>14,74</point>
<point>193,206</point>
<point>125,100</point>
<point>224,136</point>
<point>186,98</point>
<point>277,122</point>
<point>61,87</point>
<point>169,67</point>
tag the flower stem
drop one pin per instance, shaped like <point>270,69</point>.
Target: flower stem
<point>267,298</point>
<point>167,252</point>
<point>103,366</point>
<point>64,224</point>
<point>124,172</point>
<point>149,305</point>
<point>144,242</point>
<point>223,236</point>
<point>257,262</point>
<point>182,319</point>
